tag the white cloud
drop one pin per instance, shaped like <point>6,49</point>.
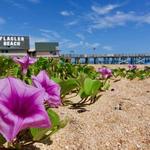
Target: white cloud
<point>81,45</point>
<point>19,5</point>
<point>91,45</point>
<point>108,48</point>
<point>34,1</point>
<point>66,13</point>
<point>105,9</point>
<point>80,36</point>
<point>64,41</point>
<point>72,23</point>
<point>16,4</point>
<point>117,19</point>
<point>2,21</point>
<point>45,30</point>
<point>50,34</point>
<point>72,45</point>
<point>68,44</point>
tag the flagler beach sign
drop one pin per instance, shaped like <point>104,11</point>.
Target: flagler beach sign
<point>14,42</point>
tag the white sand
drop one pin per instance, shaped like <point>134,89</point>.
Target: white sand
<point>103,126</point>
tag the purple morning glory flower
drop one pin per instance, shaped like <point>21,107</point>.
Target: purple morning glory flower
<point>25,62</point>
<point>132,67</point>
<point>20,107</point>
<point>52,89</point>
<point>106,73</point>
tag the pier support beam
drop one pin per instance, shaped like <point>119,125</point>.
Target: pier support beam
<point>68,60</point>
<point>95,60</point>
<point>86,60</point>
<point>77,60</point>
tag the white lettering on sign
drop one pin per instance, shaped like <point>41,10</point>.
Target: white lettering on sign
<point>8,38</point>
<point>11,43</point>
<point>22,39</point>
<point>12,40</point>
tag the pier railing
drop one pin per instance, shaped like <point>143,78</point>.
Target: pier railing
<point>105,55</point>
<point>97,58</point>
<point>109,58</point>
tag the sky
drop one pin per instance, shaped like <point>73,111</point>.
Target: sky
<point>80,26</point>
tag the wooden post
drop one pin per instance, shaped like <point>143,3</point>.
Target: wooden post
<point>86,60</point>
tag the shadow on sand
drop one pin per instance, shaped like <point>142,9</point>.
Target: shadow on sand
<point>80,106</point>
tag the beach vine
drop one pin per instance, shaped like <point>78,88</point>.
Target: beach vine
<point>30,88</point>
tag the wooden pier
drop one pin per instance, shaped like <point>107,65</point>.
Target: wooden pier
<point>108,58</point>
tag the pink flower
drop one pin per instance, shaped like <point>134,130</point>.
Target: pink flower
<point>106,73</point>
<point>52,89</point>
<point>25,62</point>
<point>132,67</point>
<point>20,107</point>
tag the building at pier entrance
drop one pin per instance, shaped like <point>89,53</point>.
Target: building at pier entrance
<point>47,48</point>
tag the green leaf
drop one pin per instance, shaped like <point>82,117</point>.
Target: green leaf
<point>81,78</point>
<point>91,87</point>
<point>57,80</point>
<point>40,133</point>
<point>119,72</point>
<point>106,86</point>
<point>54,118</point>
<point>67,86</point>
<point>82,93</point>
<point>2,140</point>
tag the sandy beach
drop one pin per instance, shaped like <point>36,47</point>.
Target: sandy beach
<point>113,66</point>
<point>119,120</point>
